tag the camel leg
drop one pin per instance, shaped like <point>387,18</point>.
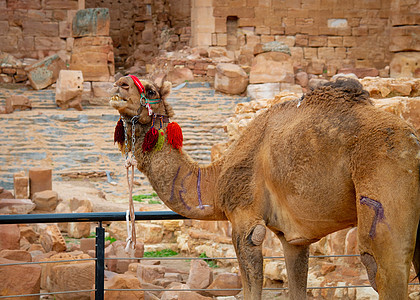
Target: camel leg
<point>297,268</point>
<point>247,238</point>
<point>387,228</point>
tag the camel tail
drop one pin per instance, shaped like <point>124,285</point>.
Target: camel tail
<point>416,257</point>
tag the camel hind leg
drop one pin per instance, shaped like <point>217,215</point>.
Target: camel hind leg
<point>387,227</point>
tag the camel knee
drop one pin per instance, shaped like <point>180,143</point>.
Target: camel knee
<point>257,235</point>
<point>371,267</point>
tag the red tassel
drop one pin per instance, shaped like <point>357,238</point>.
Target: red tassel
<point>150,139</point>
<point>119,136</point>
<point>174,133</point>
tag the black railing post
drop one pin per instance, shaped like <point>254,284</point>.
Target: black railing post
<point>100,262</point>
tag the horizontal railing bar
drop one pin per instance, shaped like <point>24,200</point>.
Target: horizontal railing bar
<point>45,262</point>
<point>88,217</point>
<point>46,294</point>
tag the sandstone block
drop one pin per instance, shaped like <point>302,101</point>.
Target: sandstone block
<point>201,275</point>
<point>360,72</point>
<point>52,240</point>
<point>19,279</point>
<point>94,56</point>
<point>180,295</point>
<point>272,67</point>
<point>91,22</point>
<point>100,93</point>
<point>16,206</point>
<point>73,277</point>
<point>79,229</point>
<point>69,89</point>
<point>18,102</point>
<point>21,187</point>
<point>40,179</point>
<point>149,273</point>
<point>263,91</point>
<point>123,281</point>
<point>226,281</point>
<point>405,64</point>
<point>87,244</point>
<point>46,200</point>
<point>29,233</point>
<point>180,75</point>
<point>17,255</point>
<point>9,236</point>
<point>45,72</point>
<point>5,194</point>
<point>230,79</point>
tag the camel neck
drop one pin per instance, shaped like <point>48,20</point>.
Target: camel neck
<point>186,187</point>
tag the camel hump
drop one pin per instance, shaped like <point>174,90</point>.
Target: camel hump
<point>343,89</point>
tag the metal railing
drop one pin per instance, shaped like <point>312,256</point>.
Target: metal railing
<point>100,248</point>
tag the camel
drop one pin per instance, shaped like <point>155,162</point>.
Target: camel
<point>303,169</point>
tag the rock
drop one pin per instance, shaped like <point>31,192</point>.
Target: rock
<point>146,232</point>
<point>91,22</point>
<point>366,294</point>
<point>19,279</point>
<point>101,93</point>
<point>69,89</point>
<point>360,72</point>
<point>405,64</point>
<point>180,75</point>
<point>230,79</point>
<point>302,79</point>
<point>180,295</point>
<point>275,270</point>
<point>272,67</point>
<point>226,281</point>
<point>9,236</point>
<point>52,240</point>
<point>263,91</point>
<point>94,56</point>
<point>87,244</point>
<point>214,52</point>
<point>46,200</point>
<point>73,277</point>
<point>274,46</point>
<point>123,281</point>
<point>201,275</point>
<point>17,255</point>
<point>45,72</point>
<point>149,273</point>
<point>315,82</point>
<point>16,206</point>
<point>21,186</point>
<point>7,59</point>
<point>18,102</point>
<point>79,229</point>
<point>40,179</point>
<point>5,194</point>
<point>117,249</point>
<point>391,87</point>
<point>29,233</point>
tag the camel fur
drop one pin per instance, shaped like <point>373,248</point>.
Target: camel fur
<point>303,169</point>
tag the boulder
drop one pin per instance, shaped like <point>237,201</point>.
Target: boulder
<point>91,22</point>
<point>46,200</point>
<point>302,79</point>
<point>79,229</point>
<point>69,89</point>
<point>28,233</point>
<point>123,281</point>
<point>94,56</point>
<point>180,75</point>
<point>149,273</point>
<point>52,240</point>
<point>16,206</point>
<point>21,186</point>
<point>201,275</point>
<point>19,279</point>
<point>148,233</point>
<point>5,194</point>
<point>226,281</point>
<point>391,87</point>
<point>40,179</point>
<point>17,255</point>
<point>101,93</point>
<point>230,79</point>
<point>272,67</point>
<point>181,295</point>
<point>18,102</point>
<point>274,46</point>
<point>405,64</point>
<point>9,236</point>
<point>45,72</point>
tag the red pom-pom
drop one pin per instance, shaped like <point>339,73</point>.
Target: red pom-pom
<point>150,140</point>
<point>119,136</point>
<point>174,134</point>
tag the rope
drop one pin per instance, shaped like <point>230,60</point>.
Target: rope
<point>131,232</point>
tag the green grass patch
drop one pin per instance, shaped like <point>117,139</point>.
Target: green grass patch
<point>142,198</point>
<point>110,239</point>
<point>162,253</point>
<point>212,263</point>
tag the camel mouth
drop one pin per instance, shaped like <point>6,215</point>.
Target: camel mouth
<point>118,98</point>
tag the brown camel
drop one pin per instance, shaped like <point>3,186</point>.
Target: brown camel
<point>303,169</point>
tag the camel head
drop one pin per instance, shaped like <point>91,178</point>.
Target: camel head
<point>142,98</point>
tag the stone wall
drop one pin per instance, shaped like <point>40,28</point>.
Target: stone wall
<point>36,29</point>
<point>323,35</point>
<point>139,29</point>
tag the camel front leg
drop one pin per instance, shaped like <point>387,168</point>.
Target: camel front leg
<point>297,268</point>
<point>248,246</point>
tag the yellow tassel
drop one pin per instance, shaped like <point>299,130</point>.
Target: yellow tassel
<point>160,141</point>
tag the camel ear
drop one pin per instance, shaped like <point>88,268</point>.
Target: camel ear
<point>165,90</point>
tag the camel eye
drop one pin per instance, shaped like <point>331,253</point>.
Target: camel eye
<point>151,94</point>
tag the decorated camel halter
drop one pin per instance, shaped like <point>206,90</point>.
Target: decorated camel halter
<point>153,140</point>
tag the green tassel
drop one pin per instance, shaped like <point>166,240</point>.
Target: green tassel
<point>160,141</point>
